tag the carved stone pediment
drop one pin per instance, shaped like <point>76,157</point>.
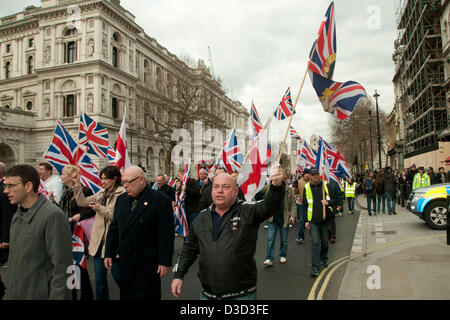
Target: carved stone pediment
<point>6,98</point>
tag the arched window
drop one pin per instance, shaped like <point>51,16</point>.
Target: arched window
<point>30,65</point>
<point>71,32</point>
<point>29,105</point>
<point>7,70</point>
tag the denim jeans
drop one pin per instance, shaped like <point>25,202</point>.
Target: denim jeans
<point>273,228</point>
<point>371,198</point>
<point>351,203</point>
<point>101,280</point>
<point>391,200</point>
<point>319,247</point>
<point>381,198</point>
<point>301,219</point>
<point>250,296</point>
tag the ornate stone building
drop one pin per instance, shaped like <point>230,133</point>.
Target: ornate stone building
<point>73,56</point>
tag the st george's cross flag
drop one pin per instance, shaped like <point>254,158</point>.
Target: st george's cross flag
<point>122,160</point>
<point>63,151</point>
<point>94,136</point>
<point>284,109</point>
<point>253,174</point>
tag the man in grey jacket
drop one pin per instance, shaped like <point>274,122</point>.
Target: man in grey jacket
<point>40,241</point>
<point>390,189</point>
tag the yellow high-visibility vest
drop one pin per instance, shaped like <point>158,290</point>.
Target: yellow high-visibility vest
<point>350,190</point>
<point>309,198</point>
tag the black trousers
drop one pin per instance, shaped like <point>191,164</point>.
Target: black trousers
<point>2,289</point>
<point>86,292</point>
<point>332,228</point>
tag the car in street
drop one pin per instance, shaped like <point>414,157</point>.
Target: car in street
<point>430,204</point>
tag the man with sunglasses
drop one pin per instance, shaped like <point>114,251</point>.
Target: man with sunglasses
<point>142,232</point>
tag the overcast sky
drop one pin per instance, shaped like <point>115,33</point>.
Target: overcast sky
<point>260,47</point>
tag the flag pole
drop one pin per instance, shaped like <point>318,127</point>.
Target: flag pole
<point>296,101</point>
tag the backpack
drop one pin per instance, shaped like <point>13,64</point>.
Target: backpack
<point>369,185</point>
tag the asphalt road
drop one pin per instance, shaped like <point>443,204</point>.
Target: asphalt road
<point>291,281</point>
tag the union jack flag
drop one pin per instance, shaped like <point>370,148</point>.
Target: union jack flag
<point>256,121</point>
<point>336,161</point>
<point>94,136</point>
<point>326,172</point>
<point>323,56</point>
<point>43,190</point>
<point>171,183</point>
<point>339,99</point>
<point>294,133</point>
<point>3,180</point>
<point>181,225</point>
<point>231,156</point>
<point>306,152</point>
<point>111,156</point>
<point>63,151</point>
<point>284,109</point>
<point>79,258</point>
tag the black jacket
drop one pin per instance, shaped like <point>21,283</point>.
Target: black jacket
<point>192,200</point>
<point>144,239</point>
<point>227,265</point>
<point>317,214</point>
<point>7,211</point>
<point>168,191</point>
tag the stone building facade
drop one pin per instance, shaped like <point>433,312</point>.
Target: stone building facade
<point>73,56</point>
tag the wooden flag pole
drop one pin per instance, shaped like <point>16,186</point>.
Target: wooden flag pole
<point>296,101</point>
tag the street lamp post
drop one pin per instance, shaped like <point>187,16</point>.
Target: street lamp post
<point>370,132</point>
<point>376,95</point>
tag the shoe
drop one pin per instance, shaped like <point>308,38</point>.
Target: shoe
<point>315,273</point>
<point>283,260</point>
<point>390,213</point>
<point>5,266</point>
<point>266,227</point>
<point>395,212</point>
<point>324,264</point>
<point>370,214</point>
<point>299,241</point>
<point>332,240</point>
<point>268,263</point>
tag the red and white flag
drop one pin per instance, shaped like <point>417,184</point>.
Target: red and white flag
<point>43,190</point>
<point>122,161</point>
<point>252,177</point>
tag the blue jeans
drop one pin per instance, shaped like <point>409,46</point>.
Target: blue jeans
<point>301,219</point>
<point>273,227</point>
<point>381,199</point>
<point>370,198</point>
<point>251,296</point>
<point>101,280</point>
<point>319,247</point>
<point>351,203</point>
<point>391,201</point>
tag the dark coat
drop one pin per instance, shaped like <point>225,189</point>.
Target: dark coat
<point>144,239</point>
<point>7,211</point>
<point>192,200</point>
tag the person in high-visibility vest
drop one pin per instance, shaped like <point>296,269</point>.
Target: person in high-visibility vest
<point>318,209</point>
<point>350,189</point>
<point>421,179</point>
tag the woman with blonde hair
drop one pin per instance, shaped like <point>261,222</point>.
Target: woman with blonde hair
<point>103,204</point>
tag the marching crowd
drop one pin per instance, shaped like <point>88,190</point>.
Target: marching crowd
<point>132,231</point>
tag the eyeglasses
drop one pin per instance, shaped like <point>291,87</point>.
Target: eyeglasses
<point>129,182</point>
<point>10,185</point>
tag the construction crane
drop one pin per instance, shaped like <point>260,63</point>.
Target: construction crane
<point>211,63</point>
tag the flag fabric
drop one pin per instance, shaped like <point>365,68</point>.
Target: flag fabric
<point>43,190</point>
<point>323,165</point>
<point>253,174</point>
<point>307,153</point>
<point>294,133</point>
<point>111,155</point>
<point>79,258</point>
<point>336,160</point>
<point>231,157</point>
<point>122,160</point>
<point>323,56</point>
<point>94,136</point>
<point>256,121</point>
<point>203,164</point>
<point>63,151</point>
<point>181,225</point>
<point>339,99</point>
<point>171,183</point>
<point>3,180</point>
<point>284,109</point>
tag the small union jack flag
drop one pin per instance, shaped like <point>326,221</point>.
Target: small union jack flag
<point>181,225</point>
<point>171,183</point>
<point>231,156</point>
<point>94,136</point>
<point>256,121</point>
<point>111,156</point>
<point>79,258</point>
<point>43,190</point>
<point>63,151</point>
<point>284,109</point>
<point>294,133</point>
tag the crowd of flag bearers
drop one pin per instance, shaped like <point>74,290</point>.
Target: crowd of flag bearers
<point>132,224</point>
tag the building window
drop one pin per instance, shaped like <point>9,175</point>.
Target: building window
<point>29,105</point>
<point>8,48</point>
<point>115,108</point>
<point>30,43</point>
<point>115,57</point>
<point>69,105</point>
<point>70,52</point>
<point>7,70</point>
<point>30,65</point>
<point>7,106</point>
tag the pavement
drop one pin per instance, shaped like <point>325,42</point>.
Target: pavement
<point>395,257</point>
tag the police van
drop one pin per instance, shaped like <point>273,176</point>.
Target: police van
<point>430,204</point>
